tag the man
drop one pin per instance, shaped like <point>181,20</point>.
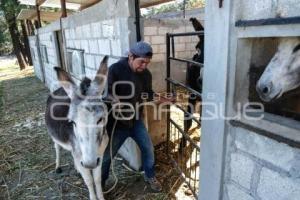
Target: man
<point>133,70</point>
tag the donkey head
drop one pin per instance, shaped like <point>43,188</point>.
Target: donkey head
<point>282,74</point>
<point>88,115</point>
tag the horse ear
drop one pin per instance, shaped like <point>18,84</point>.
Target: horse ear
<point>65,81</point>
<point>98,84</point>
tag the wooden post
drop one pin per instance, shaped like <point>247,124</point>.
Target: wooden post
<point>63,8</point>
<point>38,15</point>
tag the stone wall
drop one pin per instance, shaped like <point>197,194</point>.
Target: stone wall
<point>258,168</point>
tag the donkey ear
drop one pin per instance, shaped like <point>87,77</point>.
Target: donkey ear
<point>98,84</point>
<point>65,81</point>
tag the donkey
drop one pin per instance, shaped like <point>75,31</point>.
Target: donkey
<point>282,74</point>
<point>76,118</point>
<point>194,79</point>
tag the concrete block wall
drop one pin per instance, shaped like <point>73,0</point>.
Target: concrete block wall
<point>259,168</point>
<point>35,56</point>
<point>257,9</point>
<point>155,33</point>
<point>48,40</point>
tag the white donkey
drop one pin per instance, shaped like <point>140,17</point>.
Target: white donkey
<point>283,72</point>
<point>76,118</point>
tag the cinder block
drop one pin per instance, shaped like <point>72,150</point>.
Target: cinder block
<point>275,186</point>
<point>85,46</point>
<point>116,48</point>
<point>179,30</point>
<point>158,57</point>
<point>72,33</point>
<point>67,33</point>
<point>158,40</point>
<point>147,39</point>
<point>152,30</point>
<point>90,73</point>
<point>104,46</point>
<point>78,32</point>
<point>107,29</point>
<point>98,60</point>
<point>155,48</point>
<point>180,47</point>
<point>241,169</point>
<point>77,44</point>
<point>112,61</point>
<point>70,44</point>
<point>96,30</point>
<point>86,30</point>
<point>93,45</point>
<point>162,48</point>
<point>90,62</point>
<point>163,31</point>
<point>279,154</point>
<point>235,193</point>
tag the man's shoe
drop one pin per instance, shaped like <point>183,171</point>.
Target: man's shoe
<point>154,184</point>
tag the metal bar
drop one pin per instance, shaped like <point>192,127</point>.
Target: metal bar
<point>186,34</point>
<point>137,20</point>
<point>173,47</point>
<point>268,21</point>
<point>189,114</point>
<point>188,61</point>
<point>186,136</point>
<point>184,86</point>
<point>168,89</point>
<point>183,176</point>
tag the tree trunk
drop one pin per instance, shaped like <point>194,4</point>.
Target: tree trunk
<point>26,42</point>
<point>13,30</point>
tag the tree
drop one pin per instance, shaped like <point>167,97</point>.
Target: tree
<point>178,5</point>
<point>5,41</point>
<point>10,9</point>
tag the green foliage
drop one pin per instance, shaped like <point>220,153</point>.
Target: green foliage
<point>176,6</point>
<point>5,40</point>
<point>8,11</point>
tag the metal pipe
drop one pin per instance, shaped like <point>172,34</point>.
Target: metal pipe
<point>186,136</point>
<point>168,73</point>
<point>137,20</point>
<point>184,86</point>
<point>186,34</point>
<point>188,61</point>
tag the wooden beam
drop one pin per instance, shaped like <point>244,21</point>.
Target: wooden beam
<point>144,4</point>
<point>91,3</point>
<point>40,2</point>
<point>63,8</point>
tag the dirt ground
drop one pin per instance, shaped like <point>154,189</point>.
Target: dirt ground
<point>27,155</point>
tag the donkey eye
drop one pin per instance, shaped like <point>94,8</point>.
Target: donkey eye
<point>73,123</point>
<point>100,120</point>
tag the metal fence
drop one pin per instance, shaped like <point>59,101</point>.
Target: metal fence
<point>182,149</point>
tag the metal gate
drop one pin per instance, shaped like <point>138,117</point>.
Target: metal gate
<point>182,149</point>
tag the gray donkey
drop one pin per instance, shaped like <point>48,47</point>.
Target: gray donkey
<point>76,118</point>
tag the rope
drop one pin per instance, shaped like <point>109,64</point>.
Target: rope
<point>112,160</point>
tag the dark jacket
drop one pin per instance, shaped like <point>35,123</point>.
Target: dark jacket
<point>142,86</point>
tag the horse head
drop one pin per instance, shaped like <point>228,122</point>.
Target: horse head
<point>282,74</point>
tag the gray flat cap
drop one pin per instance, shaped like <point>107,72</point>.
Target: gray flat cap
<point>141,49</point>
